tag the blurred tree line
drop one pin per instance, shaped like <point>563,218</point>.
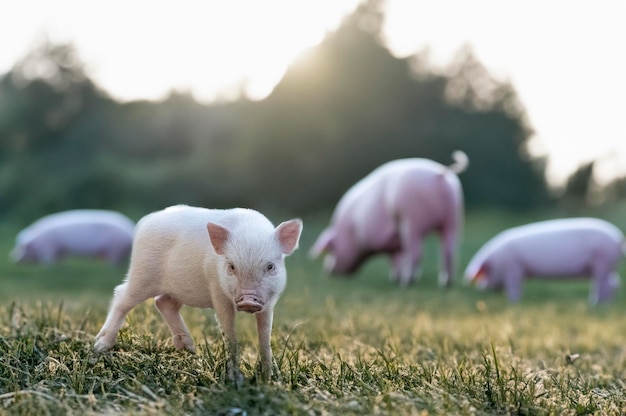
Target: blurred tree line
<point>341,110</point>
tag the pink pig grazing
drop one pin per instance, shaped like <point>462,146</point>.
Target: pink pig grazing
<point>390,211</point>
<point>84,232</point>
<point>576,247</point>
<point>229,260</point>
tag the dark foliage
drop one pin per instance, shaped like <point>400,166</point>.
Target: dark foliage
<point>342,109</point>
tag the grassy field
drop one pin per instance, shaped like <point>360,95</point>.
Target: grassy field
<point>342,346</point>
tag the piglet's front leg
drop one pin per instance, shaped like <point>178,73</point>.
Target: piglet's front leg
<point>225,315</point>
<point>513,283</point>
<point>264,329</point>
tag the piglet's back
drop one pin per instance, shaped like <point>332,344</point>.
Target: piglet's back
<point>171,242</point>
<point>175,241</point>
<point>182,223</point>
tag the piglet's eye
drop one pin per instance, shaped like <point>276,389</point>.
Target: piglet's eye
<point>270,267</point>
<point>231,267</point>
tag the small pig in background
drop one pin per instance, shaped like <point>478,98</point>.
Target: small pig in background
<point>229,260</point>
<point>562,248</point>
<point>85,232</point>
<point>391,211</point>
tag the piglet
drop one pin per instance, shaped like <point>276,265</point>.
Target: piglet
<point>229,260</point>
<point>83,232</point>
<point>562,248</point>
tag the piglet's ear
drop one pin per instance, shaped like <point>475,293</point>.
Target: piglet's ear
<point>219,236</point>
<point>323,243</point>
<point>288,235</point>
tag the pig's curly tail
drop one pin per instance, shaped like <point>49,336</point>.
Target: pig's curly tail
<point>461,161</point>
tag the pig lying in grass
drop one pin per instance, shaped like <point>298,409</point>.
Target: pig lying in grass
<point>228,260</point>
<point>576,247</point>
<point>391,211</point>
<point>87,233</point>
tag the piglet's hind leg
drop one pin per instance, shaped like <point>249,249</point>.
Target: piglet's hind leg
<point>123,302</point>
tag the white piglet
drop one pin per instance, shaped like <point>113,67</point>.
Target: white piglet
<point>229,260</point>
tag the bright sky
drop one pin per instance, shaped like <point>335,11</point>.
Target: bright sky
<point>566,59</point>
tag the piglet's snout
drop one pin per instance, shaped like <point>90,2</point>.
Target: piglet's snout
<point>249,303</point>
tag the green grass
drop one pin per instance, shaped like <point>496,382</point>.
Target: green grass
<point>342,346</point>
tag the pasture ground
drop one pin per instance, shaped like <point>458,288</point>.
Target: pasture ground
<point>342,346</point>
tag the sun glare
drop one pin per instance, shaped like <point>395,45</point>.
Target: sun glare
<point>146,48</point>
